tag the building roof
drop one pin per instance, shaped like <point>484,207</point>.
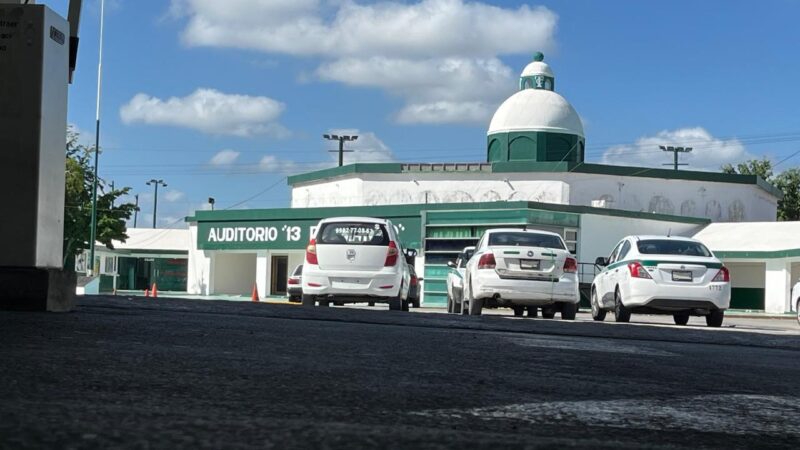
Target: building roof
<point>155,240</point>
<point>752,239</point>
<point>537,68</point>
<point>536,110</point>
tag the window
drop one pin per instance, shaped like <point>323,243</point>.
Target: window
<point>626,247</point>
<point>463,258</point>
<point>571,239</point>
<point>527,240</point>
<point>613,257</point>
<point>353,233</point>
<point>672,247</point>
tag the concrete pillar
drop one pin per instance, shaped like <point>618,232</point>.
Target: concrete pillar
<point>777,284</point>
<point>263,268</point>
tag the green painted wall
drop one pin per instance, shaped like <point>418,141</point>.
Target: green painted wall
<point>534,146</point>
<point>747,298</point>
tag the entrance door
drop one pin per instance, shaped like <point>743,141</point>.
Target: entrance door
<point>279,275</point>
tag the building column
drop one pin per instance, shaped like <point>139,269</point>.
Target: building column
<point>262,272</point>
<point>777,284</point>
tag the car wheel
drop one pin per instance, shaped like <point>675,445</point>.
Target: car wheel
<point>324,303</point>
<point>475,304</point>
<point>598,313</point>
<point>681,318</point>
<point>415,303</point>
<point>568,311</point>
<point>715,318</point>
<point>395,304</point>
<point>404,304</point>
<point>308,300</point>
<point>621,313</point>
<point>519,311</point>
<point>548,312</point>
<point>797,309</point>
<point>370,303</point>
<point>450,305</point>
<point>533,311</point>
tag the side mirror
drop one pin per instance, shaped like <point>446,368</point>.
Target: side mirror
<point>420,279</point>
<point>411,252</point>
<point>601,261</point>
<point>451,264</point>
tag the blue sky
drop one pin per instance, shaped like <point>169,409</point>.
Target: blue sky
<point>227,102</point>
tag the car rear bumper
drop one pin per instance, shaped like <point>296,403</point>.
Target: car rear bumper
<point>671,298</point>
<point>487,284</point>
<point>294,290</point>
<point>352,284</point>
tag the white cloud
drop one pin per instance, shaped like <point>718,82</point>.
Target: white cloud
<point>224,158</point>
<point>173,195</point>
<point>209,111</point>
<point>440,56</point>
<point>367,148</point>
<point>708,152</point>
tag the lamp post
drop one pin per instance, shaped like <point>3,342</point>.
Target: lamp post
<point>93,224</point>
<point>341,139</point>
<point>155,198</point>
<point>675,151</point>
<point>135,210</point>
<point>211,202</point>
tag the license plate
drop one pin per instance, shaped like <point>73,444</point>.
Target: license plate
<point>679,275</point>
<point>529,264</point>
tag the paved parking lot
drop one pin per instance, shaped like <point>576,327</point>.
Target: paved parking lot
<point>177,373</point>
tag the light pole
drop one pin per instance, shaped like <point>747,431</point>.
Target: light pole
<point>155,198</point>
<point>135,210</point>
<point>675,150</point>
<point>341,139</point>
<point>93,230</point>
<point>211,202</point>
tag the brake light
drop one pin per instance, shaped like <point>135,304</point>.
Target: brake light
<point>487,261</point>
<point>294,281</point>
<point>723,275</point>
<point>637,270</point>
<point>413,281</point>
<point>311,252</point>
<point>391,255</point>
<point>570,265</point>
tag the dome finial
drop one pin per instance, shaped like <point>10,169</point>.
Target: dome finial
<point>538,56</point>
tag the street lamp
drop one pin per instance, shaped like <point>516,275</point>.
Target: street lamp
<point>675,150</point>
<point>155,199</point>
<point>211,202</point>
<point>341,139</point>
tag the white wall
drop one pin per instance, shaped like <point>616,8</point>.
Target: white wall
<point>599,234</point>
<point>198,276</point>
<point>233,273</point>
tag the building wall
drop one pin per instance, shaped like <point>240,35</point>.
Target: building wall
<point>233,273</point>
<point>748,282</point>
<point>720,202</point>
<point>199,267</point>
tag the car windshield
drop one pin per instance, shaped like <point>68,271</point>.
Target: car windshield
<point>526,239</point>
<point>298,270</point>
<point>672,247</point>
<point>353,233</point>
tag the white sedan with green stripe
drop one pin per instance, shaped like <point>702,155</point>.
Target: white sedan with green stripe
<point>661,275</point>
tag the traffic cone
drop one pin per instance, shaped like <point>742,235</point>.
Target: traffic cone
<point>146,292</point>
<point>154,291</point>
<point>254,295</point>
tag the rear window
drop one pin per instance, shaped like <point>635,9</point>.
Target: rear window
<point>526,240</point>
<point>353,233</point>
<point>672,247</point>
<point>298,270</point>
<point>464,258</point>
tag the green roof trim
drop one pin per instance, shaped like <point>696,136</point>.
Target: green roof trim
<point>776,254</point>
<point>533,167</point>
<point>414,210</point>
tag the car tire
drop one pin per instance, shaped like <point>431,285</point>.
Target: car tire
<point>548,312</point>
<point>324,303</point>
<point>621,313</point>
<point>681,318</point>
<point>533,311</point>
<point>395,304</point>
<point>415,303</point>
<point>598,313</point>
<point>404,305</point>
<point>370,303</point>
<point>451,304</point>
<point>797,310</point>
<point>568,311</point>
<point>475,306</point>
<point>714,318</point>
<point>519,311</point>
<point>307,300</point>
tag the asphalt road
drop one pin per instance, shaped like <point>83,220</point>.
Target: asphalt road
<point>143,373</point>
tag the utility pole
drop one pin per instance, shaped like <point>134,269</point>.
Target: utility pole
<point>341,139</point>
<point>211,202</point>
<point>155,198</point>
<point>93,231</point>
<point>675,151</point>
<point>135,210</point>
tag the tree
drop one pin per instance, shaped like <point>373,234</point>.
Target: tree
<point>78,203</point>
<point>788,182</point>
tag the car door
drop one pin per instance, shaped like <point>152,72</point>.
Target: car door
<point>616,275</point>
<point>602,285</point>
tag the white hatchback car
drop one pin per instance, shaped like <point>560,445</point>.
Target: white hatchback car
<point>355,259</point>
<point>661,275</point>
<point>454,279</point>
<point>518,268</point>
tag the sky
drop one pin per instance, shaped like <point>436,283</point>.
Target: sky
<point>224,99</point>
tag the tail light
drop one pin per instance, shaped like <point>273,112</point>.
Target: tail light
<point>487,261</point>
<point>637,270</point>
<point>723,275</point>
<point>413,281</point>
<point>570,265</point>
<point>294,281</point>
<point>391,255</point>
<point>311,252</point>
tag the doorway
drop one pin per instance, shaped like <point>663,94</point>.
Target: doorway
<point>279,275</point>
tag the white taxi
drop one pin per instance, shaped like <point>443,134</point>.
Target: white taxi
<point>355,259</point>
<point>661,275</point>
<point>518,268</point>
<point>454,279</point>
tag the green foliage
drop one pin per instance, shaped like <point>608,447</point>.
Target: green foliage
<point>787,181</point>
<point>111,216</point>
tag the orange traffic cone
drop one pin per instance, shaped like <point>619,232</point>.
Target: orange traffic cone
<point>146,292</point>
<point>254,295</point>
<point>154,291</point>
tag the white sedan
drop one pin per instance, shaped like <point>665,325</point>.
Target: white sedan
<point>661,275</point>
<point>796,297</point>
<point>454,280</point>
<point>522,268</point>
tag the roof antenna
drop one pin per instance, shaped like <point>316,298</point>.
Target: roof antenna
<point>669,232</point>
